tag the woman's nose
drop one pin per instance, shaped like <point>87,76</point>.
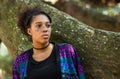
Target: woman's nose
<point>45,29</point>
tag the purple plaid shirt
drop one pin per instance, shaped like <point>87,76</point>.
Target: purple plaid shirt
<point>68,59</point>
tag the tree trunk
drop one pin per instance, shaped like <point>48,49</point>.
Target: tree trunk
<point>98,49</point>
<point>0,40</point>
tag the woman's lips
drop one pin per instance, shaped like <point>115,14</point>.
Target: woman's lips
<point>45,36</point>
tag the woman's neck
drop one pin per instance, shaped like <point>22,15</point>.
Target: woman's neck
<point>40,46</point>
<point>48,49</point>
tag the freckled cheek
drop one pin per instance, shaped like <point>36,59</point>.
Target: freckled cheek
<point>36,35</point>
<point>50,31</point>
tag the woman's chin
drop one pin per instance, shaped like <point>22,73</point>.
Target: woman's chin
<point>45,41</point>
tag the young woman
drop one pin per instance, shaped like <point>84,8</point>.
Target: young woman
<point>46,60</point>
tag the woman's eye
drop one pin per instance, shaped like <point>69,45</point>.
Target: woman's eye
<point>48,25</point>
<point>38,26</point>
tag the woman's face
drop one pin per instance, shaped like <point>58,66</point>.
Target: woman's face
<point>40,29</point>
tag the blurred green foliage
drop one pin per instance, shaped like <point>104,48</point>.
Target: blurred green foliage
<point>105,10</point>
<point>5,62</point>
<point>110,11</point>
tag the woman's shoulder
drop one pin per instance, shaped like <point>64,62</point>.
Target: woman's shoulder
<point>64,45</point>
<point>23,56</point>
<point>24,53</point>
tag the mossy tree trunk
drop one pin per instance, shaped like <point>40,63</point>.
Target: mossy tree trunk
<point>98,49</point>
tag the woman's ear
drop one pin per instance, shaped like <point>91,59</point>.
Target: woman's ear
<point>29,31</point>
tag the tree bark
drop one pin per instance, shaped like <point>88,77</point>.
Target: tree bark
<point>99,49</point>
<point>0,40</point>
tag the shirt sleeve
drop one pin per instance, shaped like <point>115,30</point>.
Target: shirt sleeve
<point>78,63</point>
<point>15,74</point>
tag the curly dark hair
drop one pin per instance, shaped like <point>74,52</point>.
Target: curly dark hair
<point>25,18</point>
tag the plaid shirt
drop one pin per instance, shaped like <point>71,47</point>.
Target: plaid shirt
<point>68,60</point>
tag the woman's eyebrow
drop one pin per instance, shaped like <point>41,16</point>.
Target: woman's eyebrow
<point>37,22</point>
<point>41,22</point>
